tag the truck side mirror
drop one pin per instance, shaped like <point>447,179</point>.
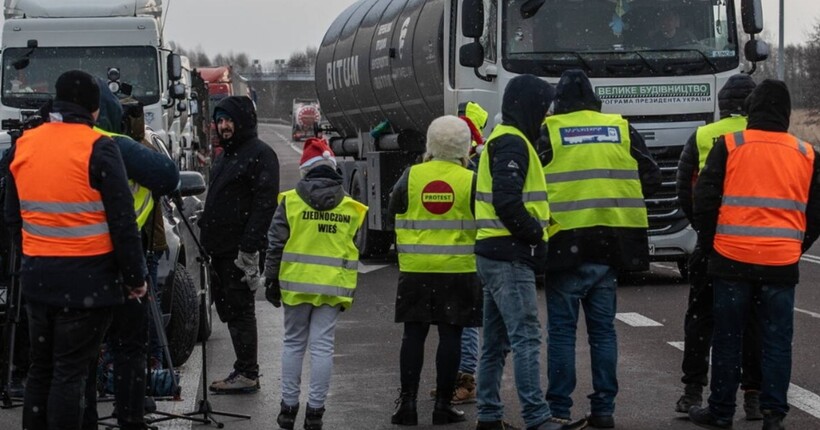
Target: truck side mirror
<point>177,91</point>
<point>174,67</point>
<point>191,184</point>
<point>471,55</point>
<point>756,50</point>
<point>472,18</point>
<point>752,13</point>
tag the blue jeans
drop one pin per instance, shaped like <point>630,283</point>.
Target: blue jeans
<point>775,310</point>
<point>469,350</point>
<point>593,286</point>
<point>510,323</point>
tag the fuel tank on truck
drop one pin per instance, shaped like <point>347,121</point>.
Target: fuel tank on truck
<point>383,60</point>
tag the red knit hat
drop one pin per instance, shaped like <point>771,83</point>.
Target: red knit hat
<point>316,150</point>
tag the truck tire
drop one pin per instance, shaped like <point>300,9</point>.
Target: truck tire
<point>205,312</point>
<point>371,243</point>
<point>182,301</point>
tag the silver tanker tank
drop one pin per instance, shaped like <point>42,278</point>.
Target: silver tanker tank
<point>383,60</point>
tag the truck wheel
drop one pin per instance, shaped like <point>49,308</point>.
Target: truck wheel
<point>182,301</point>
<point>205,312</point>
<point>371,243</point>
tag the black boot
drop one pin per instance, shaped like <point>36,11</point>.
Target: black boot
<point>406,414</point>
<point>313,418</point>
<point>287,416</point>
<point>445,413</point>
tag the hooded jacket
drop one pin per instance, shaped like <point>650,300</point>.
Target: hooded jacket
<point>769,108</point>
<point>95,281</point>
<point>732,101</point>
<point>321,189</point>
<point>524,106</point>
<point>243,187</point>
<point>625,248</point>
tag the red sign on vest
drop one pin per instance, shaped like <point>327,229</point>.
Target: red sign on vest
<point>438,197</point>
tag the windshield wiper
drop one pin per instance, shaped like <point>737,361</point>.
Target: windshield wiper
<point>557,63</point>
<point>705,57</point>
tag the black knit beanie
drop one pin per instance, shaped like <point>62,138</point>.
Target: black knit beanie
<point>80,88</point>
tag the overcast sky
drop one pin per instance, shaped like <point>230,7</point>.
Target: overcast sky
<point>270,29</point>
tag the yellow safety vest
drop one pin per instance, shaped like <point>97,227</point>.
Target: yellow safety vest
<point>437,232</point>
<point>593,179</point>
<point>143,202</point>
<point>707,135</point>
<point>320,262</point>
<point>534,192</point>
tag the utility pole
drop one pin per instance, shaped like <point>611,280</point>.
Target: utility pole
<point>781,54</point>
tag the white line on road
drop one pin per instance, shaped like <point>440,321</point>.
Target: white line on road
<point>810,313</point>
<point>637,320</point>
<point>810,258</point>
<point>366,268</point>
<point>798,397</point>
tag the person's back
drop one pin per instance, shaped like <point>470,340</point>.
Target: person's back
<point>596,170</point>
<point>757,210</point>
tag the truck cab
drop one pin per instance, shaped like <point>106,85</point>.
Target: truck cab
<point>119,40</point>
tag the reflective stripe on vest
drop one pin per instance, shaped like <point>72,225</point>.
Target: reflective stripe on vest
<point>534,191</point>
<point>143,201</point>
<point>437,232</point>
<point>63,216</point>
<point>592,179</point>
<point>762,218</point>
<point>706,135</point>
<point>320,260</point>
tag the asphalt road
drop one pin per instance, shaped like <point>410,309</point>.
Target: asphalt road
<point>366,378</point>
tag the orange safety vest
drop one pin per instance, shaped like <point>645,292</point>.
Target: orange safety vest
<point>62,215</point>
<point>762,217</point>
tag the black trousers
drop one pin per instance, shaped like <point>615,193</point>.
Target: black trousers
<point>128,343</point>
<point>64,343</point>
<point>448,357</point>
<point>236,306</point>
<point>698,325</point>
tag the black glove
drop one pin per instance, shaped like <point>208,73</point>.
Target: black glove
<point>273,292</point>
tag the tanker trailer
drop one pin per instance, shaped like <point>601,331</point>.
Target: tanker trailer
<point>386,68</point>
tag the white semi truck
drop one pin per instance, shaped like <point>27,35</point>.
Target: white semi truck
<point>387,68</point>
<point>118,40</point>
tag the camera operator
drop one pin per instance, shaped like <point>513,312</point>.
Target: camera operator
<point>69,202</point>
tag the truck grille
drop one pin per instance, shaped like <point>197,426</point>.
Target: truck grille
<point>665,215</point>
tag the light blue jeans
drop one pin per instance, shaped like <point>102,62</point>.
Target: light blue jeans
<point>314,327</point>
<point>510,324</point>
<point>594,287</point>
<point>469,350</point>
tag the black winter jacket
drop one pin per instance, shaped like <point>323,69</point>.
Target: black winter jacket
<point>769,110</point>
<point>524,106</point>
<point>86,282</point>
<point>243,189</point>
<point>624,248</point>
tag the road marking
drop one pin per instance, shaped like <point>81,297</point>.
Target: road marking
<point>805,400</point>
<point>287,140</point>
<point>810,313</point>
<point>637,320</point>
<point>810,258</point>
<point>366,268</point>
<point>798,397</point>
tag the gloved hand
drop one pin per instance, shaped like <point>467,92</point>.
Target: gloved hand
<point>273,292</point>
<point>248,263</point>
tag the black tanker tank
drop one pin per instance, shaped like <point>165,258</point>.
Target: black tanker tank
<point>383,60</point>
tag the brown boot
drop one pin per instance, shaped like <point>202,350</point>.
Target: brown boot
<point>465,389</point>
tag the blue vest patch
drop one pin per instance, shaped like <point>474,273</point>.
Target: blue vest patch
<point>584,135</point>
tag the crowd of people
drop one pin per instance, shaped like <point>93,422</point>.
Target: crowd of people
<point>554,195</point>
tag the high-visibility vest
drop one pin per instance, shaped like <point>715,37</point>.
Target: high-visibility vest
<point>762,218</point>
<point>707,135</point>
<point>63,216</point>
<point>437,232</point>
<point>143,202</point>
<point>320,262</point>
<point>593,180</point>
<point>534,193</point>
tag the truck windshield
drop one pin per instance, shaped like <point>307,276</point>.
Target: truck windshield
<point>29,75</point>
<point>615,38</point>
